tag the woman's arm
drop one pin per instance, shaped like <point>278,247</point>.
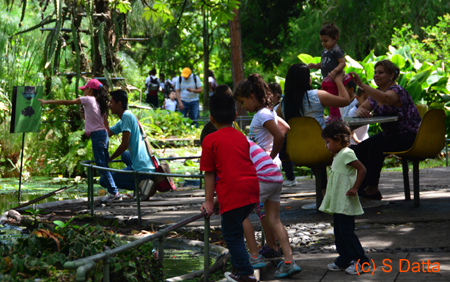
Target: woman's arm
<point>278,137</point>
<point>359,178</point>
<point>60,102</point>
<point>389,97</point>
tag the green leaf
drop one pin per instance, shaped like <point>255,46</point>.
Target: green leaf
<point>305,58</point>
<point>398,60</point>
<point>352,63</point>
<point>59,223</point>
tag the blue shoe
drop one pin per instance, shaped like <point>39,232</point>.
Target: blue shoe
<point>257,262</point>
<point>287,270</point>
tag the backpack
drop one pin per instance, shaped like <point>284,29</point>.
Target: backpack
<point>168,87</point>
<point>195,80</point>
<point>152,87</point>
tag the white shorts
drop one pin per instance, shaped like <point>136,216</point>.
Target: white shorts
<point>270,191</point>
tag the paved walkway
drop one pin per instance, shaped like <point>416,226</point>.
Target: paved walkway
<point>390,229</point>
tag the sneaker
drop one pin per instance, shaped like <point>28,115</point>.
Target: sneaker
<point>354,268</point>
<point>257,262</point>
<point>286,270</point>
<point>289,183</point>
<point>239,278</point>
<point>334,267</point>
<point>112,198</point>
<point>268,252</point>
<point>147,189</point>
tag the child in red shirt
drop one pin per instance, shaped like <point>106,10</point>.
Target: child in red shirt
<point>230,172</point>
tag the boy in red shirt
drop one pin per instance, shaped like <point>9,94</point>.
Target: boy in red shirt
<point>225,154</point>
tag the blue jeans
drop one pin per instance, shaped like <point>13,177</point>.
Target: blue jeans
<point>192,108</point>
<point>233,234</point>
<point>122,180</point>
<point>100,142</point>
<point>347,243</point>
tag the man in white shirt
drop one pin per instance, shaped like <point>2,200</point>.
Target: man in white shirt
<point>188,86</point>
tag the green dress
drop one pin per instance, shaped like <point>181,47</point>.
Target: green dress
<point>342,178</point>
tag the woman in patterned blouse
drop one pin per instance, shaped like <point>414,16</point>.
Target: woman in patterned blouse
<point>389,99</point>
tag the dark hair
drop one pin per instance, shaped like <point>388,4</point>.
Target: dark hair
<point>275,88</point>
<point>295,88</point>
<point>161,75</point>
<point>351,84</point>
<point>255,85</point>
<point>120,96</point>
<point>360,91</point>
<point>152,72</point>
<point>102,98</point>
<point>210,73</point>
<point>338,131</point>
<point>389,67</point>
<point>331,30</point>
<point>222,106</point>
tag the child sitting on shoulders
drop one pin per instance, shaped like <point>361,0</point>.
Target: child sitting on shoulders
<point>171,103</point>
<point>341,198</point>
<point>230,172</point>
<point>361,133</point>
<point>332,62</point>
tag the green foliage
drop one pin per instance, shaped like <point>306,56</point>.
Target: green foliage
<point>44,252</point>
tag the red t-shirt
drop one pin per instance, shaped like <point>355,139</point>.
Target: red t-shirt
<point>226,152</point>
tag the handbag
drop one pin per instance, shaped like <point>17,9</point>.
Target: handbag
<point>163,183</point>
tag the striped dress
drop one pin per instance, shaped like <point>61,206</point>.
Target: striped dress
<point>266,169</point>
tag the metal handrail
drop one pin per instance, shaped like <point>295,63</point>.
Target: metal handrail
<point>84,265</point>
<point>137,191</point>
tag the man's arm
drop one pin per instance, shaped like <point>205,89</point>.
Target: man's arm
<point>180,104</point>
<point>198,90</point>
<point>123,146</point>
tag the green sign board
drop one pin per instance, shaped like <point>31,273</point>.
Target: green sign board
<point>26,109</point>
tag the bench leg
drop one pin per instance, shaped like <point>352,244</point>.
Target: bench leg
<point>320,172</point>
<point>416,183</point>
<point>406,179</point>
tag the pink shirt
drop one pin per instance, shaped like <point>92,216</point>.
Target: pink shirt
<point>92,115</point>
<point>266,170</point>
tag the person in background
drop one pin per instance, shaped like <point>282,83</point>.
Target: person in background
<point>152,84</point>
<point>361,133</point>
<point>341,198</point>
<point>351,89</point>
<point>389,99</point>
<point>188,87</point>
<point>170,103</point>
<point>95,112</point>
<point>212,82</point>
<point>276,94</point>
<point>229,172</point>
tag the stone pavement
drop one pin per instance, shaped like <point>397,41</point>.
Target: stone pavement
<point>390,229</point>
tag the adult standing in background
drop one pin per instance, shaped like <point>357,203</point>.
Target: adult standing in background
<point>152,84</point>
<point>188,86</point>
<point>212,82</point>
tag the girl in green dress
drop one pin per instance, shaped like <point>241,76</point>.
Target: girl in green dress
<point>341,199</point>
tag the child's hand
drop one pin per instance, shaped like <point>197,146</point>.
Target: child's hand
<point>42,102</point>
<point>352,192</point>
<point>208,207</point>
<point>332,75</point>
<point>311,66</point>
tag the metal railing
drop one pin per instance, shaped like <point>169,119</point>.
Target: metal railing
<point>137,191</point>
<point>84,265</point>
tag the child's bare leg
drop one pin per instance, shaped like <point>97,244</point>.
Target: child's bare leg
<point>249,234</point>
<point>270,236</point>
<point>273,218</point>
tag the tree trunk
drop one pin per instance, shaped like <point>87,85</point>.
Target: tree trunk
<point>205,60</point>
<point>237,66</point>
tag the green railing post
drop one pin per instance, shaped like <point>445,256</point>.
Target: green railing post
<point>90,188</point>
<point>161,250</point>
<point>106,268</point>
<point>137,192</point>
<point>206,251</point>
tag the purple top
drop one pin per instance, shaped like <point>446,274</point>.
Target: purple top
<point>408,116</point>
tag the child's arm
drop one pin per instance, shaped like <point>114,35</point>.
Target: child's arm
<point>208,205</point>
<point>314,66</point>
<point>60,102</point>
<point>355,138</point>
<point>164,105</point>
<point>284,126</point>
<point>278,137</point>
<point>359,178</point>
<point>338,69</point>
